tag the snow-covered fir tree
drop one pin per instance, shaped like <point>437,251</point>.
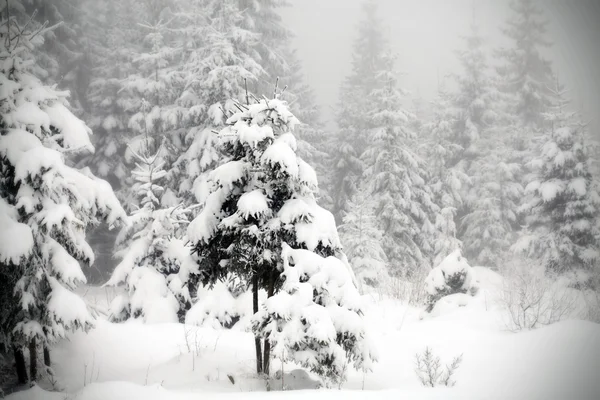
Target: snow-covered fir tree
<point>474,100</point>
<point>151,93</point>
<point>220,63</point>
<point>563,205</point>
<point>60,59</point>
<point>261,198</point>
<point>45,206</point>
<point>527,73</point>
<point>488,216</point>
<point>111,42</point>
<point>155,262</point>
<point>362,239</point>
<point>405,207</point>
<point>351,117</point>
<point>447,179</point>
<point>315,320</point>
<point>273,49</point>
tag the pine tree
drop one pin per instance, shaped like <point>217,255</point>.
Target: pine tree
<point>447,181</point>
<point>405,205</point>
<point>563,204</point>
<point>307,322</point>
<point>153,92</point>
<point>261,197</point>
<point>155,262</point>
<point>352,120</point>
<point>45,204</point>
<point>262,18</point>
<point>60,59</point>
<point>362,238</point>
<point>111,41</point>
<point>488,216</point>
<point>475,98</point>
<point>220,62</point>
<point>528,74</point>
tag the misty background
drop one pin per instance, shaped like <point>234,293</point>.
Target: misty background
<point>426,34</point>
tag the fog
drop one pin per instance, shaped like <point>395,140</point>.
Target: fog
<point>425,34</point>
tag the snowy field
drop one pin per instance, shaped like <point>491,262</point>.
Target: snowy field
<point>133,361</point>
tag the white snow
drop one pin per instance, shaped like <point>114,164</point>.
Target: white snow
<point>252,203</point>
<point>133,361</point>
<point>280,154</point>
<point>16,239</point>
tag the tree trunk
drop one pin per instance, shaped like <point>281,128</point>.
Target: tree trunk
<point>256,338</point>
<point>47,361</point>
<point>20,364</point>
<point>267,348</point>
<point>32,360</point>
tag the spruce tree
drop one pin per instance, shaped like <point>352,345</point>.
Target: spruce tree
<point>155,262</point>
<point>528,74</point>
<point>563,204</point>
<point>220,64</point>
<point>260,198</point>
<point>352,120</point>
<point>447,180</point>
<point>362,239</point>
<point>405,207</point>
<point>46,205</point>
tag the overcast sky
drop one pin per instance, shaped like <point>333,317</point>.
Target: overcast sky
<point>426,33</point>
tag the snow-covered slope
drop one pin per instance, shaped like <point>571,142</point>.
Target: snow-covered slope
<point>176,362</point>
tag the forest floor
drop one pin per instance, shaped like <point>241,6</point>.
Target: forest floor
<point>133,361</point>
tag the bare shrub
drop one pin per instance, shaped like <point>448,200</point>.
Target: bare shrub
<point>411,291</point>
<point>430,372</point>
<point>532,299</point>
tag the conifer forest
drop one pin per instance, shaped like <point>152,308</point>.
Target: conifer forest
<point>346,199</point>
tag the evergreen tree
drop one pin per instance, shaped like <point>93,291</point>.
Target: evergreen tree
<point>362,238</point>
<point>563,204</point>
<point>475,98</point>
<point>308,321</point>
<point>488,216</point>
<point>528,74</point>
<point>220,62</point>
<point>45,204</point>
<point>405,205</point>
<point>447,181</point>
<point>352,119</point>
<point>155,262</point>
<point>153,92</point>
<point>111,41</point>
<point>261,197</point>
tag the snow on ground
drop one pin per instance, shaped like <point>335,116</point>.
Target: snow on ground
<point>176,362</point>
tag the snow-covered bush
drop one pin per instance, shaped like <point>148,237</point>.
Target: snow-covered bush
<point>220,306</point>
<point>453,275</point>
<point>155,262</point>
<point>316,319</point>
<point>532,298</point>
<point>45,205</point>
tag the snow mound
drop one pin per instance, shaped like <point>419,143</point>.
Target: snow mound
<point>453,275</point>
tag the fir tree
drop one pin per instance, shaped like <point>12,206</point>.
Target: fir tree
<point>352,119</point>
<point>45,204</point>
<point>447,181</point>
<point>220,62</point>
<point>261,197</point>
<point>563,204</point>
<point>362,238</point>
<point>527,73</point>
<point>405,205</point>
<point>155,262</point>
